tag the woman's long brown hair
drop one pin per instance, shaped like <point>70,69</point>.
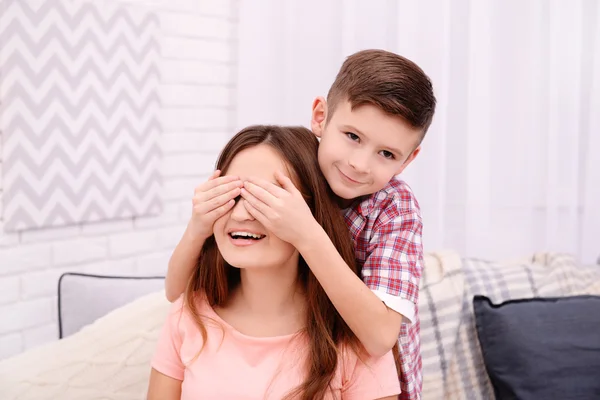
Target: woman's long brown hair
<point>325,328</point>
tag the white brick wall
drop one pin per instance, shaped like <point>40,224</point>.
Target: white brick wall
<point>197,91</point>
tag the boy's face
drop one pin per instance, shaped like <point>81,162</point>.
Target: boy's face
<point>361,150</point>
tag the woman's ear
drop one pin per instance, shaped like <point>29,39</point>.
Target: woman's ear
<point>319,116</point>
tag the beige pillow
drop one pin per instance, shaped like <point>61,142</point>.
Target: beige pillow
<point>109,359</point>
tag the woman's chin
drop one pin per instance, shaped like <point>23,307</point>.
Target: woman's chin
<point>247,266</point>
<point>245,261</point>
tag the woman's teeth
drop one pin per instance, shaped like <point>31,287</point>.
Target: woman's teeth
<point>246,235</point>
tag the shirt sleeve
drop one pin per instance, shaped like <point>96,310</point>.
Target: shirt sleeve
<point>166,359</point>
<point>371,378</point>
<point>393,267</point>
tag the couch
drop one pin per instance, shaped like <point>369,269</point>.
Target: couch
<point>109,326</point>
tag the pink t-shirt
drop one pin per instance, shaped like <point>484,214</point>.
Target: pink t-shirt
<point>236,366</point>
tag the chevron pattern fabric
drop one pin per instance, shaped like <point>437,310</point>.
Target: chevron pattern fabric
<point>79,112</point>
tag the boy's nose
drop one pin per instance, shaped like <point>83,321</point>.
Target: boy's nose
<point>359,162</point>
<point>239,212</point>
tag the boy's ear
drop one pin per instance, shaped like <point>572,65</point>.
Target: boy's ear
<point>319,116</point>
<point>410,159</point>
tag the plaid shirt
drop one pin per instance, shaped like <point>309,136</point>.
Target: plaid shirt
<point>386,228</point>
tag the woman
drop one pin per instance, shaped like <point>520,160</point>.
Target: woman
<point>254,322</point>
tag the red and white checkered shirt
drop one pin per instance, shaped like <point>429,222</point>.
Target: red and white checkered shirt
<point>386,228</point>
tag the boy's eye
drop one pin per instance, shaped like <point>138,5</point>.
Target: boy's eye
<point>387,154</point>
<point>352,136</point>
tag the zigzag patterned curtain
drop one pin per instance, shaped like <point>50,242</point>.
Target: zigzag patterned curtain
<point>78,112</point>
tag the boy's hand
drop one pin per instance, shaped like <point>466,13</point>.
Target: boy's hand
<point>212,200</point>
<point>282,210</point>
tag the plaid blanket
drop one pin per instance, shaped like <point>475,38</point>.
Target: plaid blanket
<point>453,366</point>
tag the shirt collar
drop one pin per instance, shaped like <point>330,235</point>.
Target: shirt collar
<point>365,205</point>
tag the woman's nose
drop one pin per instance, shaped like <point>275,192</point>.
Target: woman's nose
<point>239,212</point>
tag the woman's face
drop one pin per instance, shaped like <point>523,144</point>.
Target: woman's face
<point>243,241</point>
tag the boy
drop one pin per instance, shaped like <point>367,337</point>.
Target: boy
<point>371,127</point>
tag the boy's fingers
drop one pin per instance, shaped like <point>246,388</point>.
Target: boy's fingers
<point>267,186</point>
<point>259,192</point>
<point>212,183</point>
<point>220,211</point>
<point>256,214</point>
<point>256,203</point>
<point>219,190</point>
<point>286,183</point>
<point>205,206</point>
<point>218,201</point>
<point>221,180</point>
<point>215,174</point>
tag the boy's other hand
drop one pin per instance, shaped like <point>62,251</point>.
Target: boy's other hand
<point>212,199</point>
<point>282,210</point>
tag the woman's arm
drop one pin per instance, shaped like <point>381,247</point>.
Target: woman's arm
<point>163,387</point>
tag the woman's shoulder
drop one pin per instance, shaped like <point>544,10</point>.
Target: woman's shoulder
<point>185,310</point>
<point>184,304</point>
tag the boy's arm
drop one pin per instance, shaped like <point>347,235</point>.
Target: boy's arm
<point>212,199</point>
<point>376,325</point>
<point>182,263</point>
<point>391,272</point>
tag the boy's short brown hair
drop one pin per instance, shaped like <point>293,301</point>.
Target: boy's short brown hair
<point>388,81</point>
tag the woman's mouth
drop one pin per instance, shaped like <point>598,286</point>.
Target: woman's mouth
<point>242,238</point>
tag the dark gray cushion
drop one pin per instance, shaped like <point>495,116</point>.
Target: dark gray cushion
<point>541,348</point>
